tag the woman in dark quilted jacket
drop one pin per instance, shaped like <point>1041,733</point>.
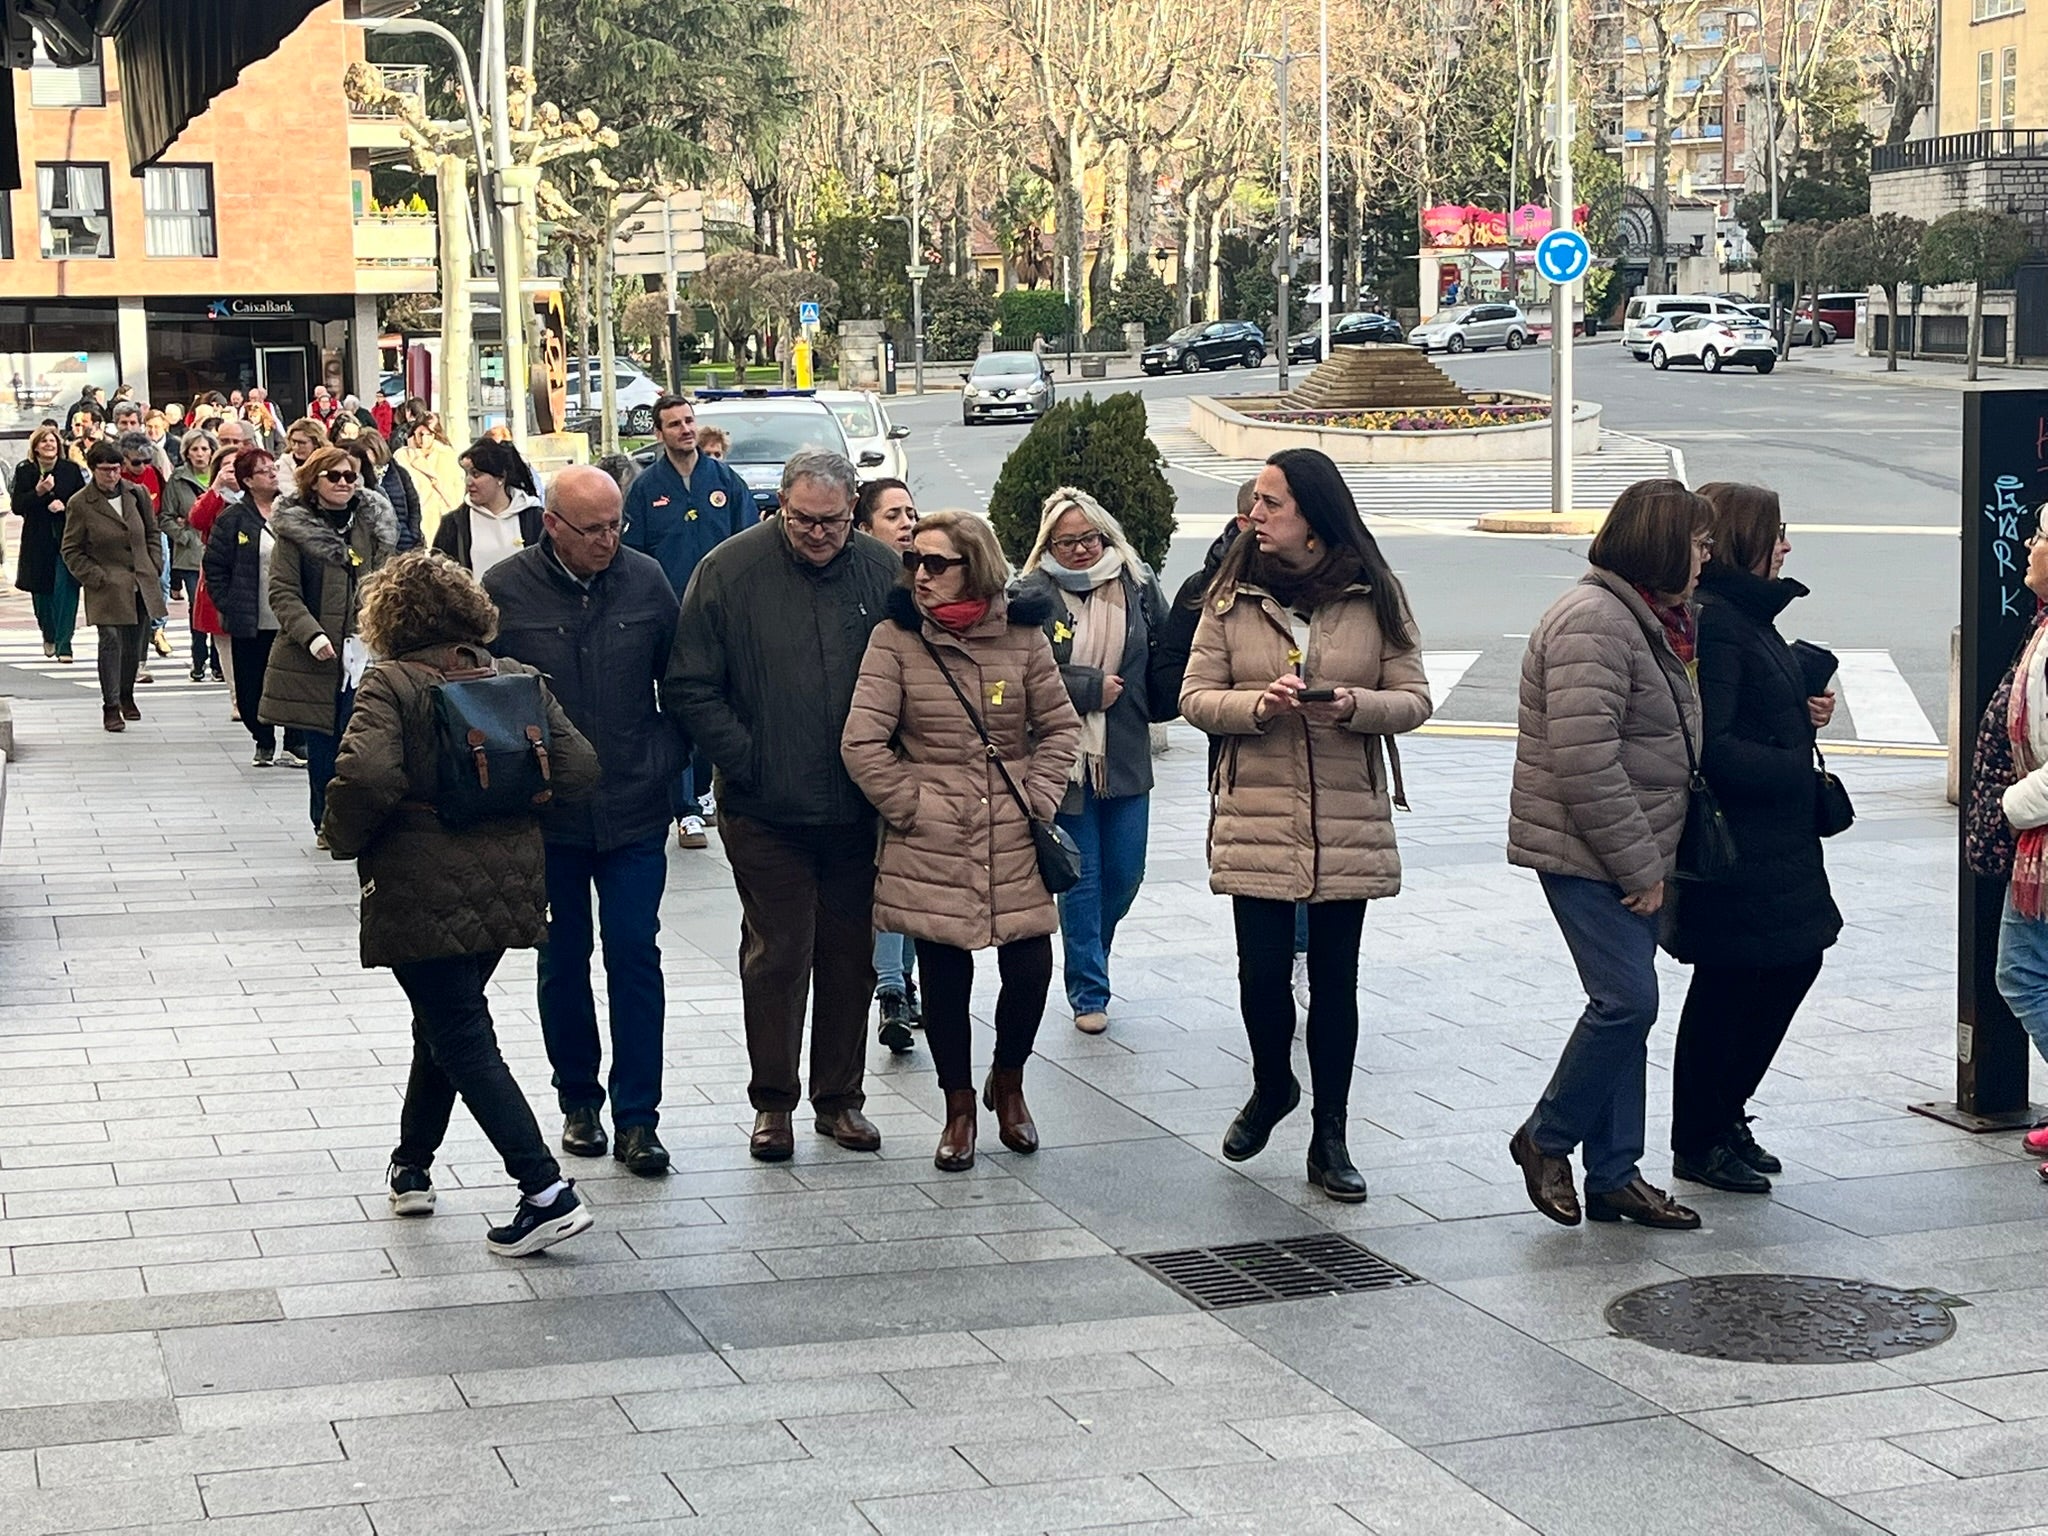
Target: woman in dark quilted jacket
<point>441,905</point>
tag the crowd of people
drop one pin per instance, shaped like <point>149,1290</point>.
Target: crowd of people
<point>914,754</point>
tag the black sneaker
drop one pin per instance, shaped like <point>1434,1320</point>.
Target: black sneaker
<point>412,1192</point>
<point>534,1227</point>
<point>895,1029</point>
<point>912,1006</point>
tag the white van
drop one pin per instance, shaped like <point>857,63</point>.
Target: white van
<point>1639,326</point>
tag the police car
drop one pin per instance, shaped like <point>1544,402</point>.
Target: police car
<point>766,425</point>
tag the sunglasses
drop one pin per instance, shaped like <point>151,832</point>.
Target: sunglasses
<point>338,476</point>
<point>931,565</point>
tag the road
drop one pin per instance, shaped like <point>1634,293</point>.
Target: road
<point>1870,474</point>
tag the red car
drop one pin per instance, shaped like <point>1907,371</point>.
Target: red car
<point>1839,311</point>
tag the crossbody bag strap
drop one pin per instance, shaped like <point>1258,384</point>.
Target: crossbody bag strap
<point>979,729</point>
<point>1692,761</point>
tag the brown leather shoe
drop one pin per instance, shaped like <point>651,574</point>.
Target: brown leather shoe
<point>773,1141</point>
<point>129,711</point>
<point>1643,1202</point>
<point>110,717</point>
<point>956,1141</point>
<point>1004,1094</point>
<point>1549,1179</point>
<point>852,1130</point>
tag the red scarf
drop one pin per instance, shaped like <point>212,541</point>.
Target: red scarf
<point>961,616</point>
<point>1680,627</point>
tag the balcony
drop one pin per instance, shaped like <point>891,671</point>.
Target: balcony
<point>376,126</point>
<point>397,253</point>
<point>1961,149</point>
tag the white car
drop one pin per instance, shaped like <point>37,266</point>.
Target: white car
<point>1713,342</point>
<point>636,394</point>
<point>868,430</point>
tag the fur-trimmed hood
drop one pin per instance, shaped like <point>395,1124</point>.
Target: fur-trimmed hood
<point>374,533</point>
<point>1027,608</point>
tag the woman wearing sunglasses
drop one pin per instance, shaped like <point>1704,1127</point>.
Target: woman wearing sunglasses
<point>331,534</point>
<point>958,866</point>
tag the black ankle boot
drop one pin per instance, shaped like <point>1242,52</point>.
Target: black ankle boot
<point>1329,1160</point>
<point>1254,1124</point>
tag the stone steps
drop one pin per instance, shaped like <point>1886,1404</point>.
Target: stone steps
<point>1375,377</point>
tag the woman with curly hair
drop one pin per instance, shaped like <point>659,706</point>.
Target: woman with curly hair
<point>442,904</point>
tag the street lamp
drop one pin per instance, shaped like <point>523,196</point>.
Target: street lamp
<point>917,271</point>
<point>1283,259</point>
<point>1323,171</point>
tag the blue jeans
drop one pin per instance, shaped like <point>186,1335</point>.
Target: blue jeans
<point>163,550</point>
<point>895,954</point>
<point>2023,971</point>
<point>320,754</point>
<point>1598,1095</point>
<point>629,882</point>
<point>1111,835</point>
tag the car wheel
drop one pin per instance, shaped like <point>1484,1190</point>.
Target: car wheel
<point>1515,340</point>
<point>1253,357</point>
<point>1658,360</point>
<point>1455,344</point>
<point>1191,364</point>
<point>1766,364</point>
<point>1710,360</point>
<point>640,421</point>
<point>966,420</point>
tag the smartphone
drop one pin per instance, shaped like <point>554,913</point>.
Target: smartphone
<point>1316,696</point>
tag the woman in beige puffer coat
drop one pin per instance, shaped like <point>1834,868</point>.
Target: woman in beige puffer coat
<point>958,867</point>
<point>1305,666</point>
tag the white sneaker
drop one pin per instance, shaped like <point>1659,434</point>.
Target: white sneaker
<point>690,833</point>
<point>708,805</point>
<point>1301,982</point>
<point>286,758</point>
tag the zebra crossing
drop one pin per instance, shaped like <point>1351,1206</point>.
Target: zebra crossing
<point>22,649</point>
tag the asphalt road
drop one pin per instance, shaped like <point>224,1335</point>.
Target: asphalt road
<point>1870,474</point>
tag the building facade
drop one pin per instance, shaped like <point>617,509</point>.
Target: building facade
<point>1994,66</point>
<point>250,254</point>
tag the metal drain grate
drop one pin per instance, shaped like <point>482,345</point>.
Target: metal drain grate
<point>1240,1274</point>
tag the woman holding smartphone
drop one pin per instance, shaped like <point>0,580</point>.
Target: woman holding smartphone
<point>1306,664</point>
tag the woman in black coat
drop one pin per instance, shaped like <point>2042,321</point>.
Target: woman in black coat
<point>1754,941</point>
<point>389,476</point>
<point>43,482</point>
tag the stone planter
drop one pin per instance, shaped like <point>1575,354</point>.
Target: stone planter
<point>1223,424</point>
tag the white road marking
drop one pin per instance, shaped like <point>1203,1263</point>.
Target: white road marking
<point>1445,669</point>
<point>1879,699</point>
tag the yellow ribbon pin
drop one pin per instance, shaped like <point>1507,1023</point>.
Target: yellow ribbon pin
<point>690,516</point>
<point>995,692</point>
<point>1293,657</point>
<point>1062,632</point>
<point>241,538</point>
<point>354,558</point>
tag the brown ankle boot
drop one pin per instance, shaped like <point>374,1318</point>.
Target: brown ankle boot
<point>111,718</point>
<point>956,1141</point>
<point>1005,1095</point>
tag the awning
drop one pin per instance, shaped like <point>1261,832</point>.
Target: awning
<point>176,56</point>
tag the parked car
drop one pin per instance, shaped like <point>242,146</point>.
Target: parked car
<point>1638,334</point>
<point>767,425</point>
<point>1473,327</point>
<point>1644,307</point>
<point>636,394</point>
<point>865,421</point>
<point>1212,344</point>
<point>1803,334</point>
<point>1016,385</point>
<point>1838,311</point>
<point>1354,329</point>
<point>1713,342</point>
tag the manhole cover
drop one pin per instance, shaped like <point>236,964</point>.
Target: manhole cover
<point>1781,1319</point>
<point>1239,1274</point>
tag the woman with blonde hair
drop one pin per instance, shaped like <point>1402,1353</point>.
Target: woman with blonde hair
<point>436,470</point>
<point>961,737</point>
<point>1106,614</point>
<point>44,481</point>
<point>303,438</point>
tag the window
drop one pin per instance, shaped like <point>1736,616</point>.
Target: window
<point>2008,86</point>
<point>177,204</point>
<point>61,85</point>
<point>1988,10</point>
<point>1984,90</point>
<point>6,226</point>
<point>76,223</point>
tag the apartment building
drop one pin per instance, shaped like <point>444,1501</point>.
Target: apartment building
<point>1994,66</point>
<point>250,253</point>
<point>1711,140</point>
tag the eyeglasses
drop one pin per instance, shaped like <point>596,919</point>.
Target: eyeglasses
<point>1077,543</point>
<point>338,477</point>
<point>931,565</point>
<point>597,530</point>
<point>1703,542</point>
<point>805,524</point>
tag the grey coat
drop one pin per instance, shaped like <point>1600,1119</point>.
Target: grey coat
<point>1601,779</point>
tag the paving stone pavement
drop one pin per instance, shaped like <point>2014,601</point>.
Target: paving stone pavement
<point>209,1321</point>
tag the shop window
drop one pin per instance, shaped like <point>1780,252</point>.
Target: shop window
<point>66,85</point>
<point>2008,86</point>
<point>77,225</point>
<point>177,205</point>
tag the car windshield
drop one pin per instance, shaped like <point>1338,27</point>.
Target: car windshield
<point>1006,365</point>
<point>857,417</point>
<point>770,437</point>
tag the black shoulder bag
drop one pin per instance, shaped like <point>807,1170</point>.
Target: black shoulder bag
<point>1059,857</point>
<point>1706,849</point>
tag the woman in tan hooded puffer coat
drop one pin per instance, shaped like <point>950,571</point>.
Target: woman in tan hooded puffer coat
<point>1306,664</point>
<point>958,867</point>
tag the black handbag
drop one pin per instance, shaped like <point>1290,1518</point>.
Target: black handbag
<point>1832,810</point>
<point>1706,849</point>
<point>1059,856</point>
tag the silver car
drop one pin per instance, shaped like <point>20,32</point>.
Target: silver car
<point>1473,327</point>
<point>1017,385</point>
<point>869,431</point>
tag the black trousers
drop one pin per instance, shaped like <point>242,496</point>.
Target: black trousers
<point>455,1051</point>
<point>948,976</point>
<point>1265,993</point>
<point>252,660</point>
<point>1735,1019</point>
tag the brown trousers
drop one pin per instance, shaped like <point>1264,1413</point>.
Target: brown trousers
<point>807,897</point>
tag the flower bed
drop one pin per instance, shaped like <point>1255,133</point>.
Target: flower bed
<point>1421,418</point>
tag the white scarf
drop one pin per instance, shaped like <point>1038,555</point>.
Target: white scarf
<point>1098,621</point>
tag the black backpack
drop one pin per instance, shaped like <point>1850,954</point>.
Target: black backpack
<point>491,742</point>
